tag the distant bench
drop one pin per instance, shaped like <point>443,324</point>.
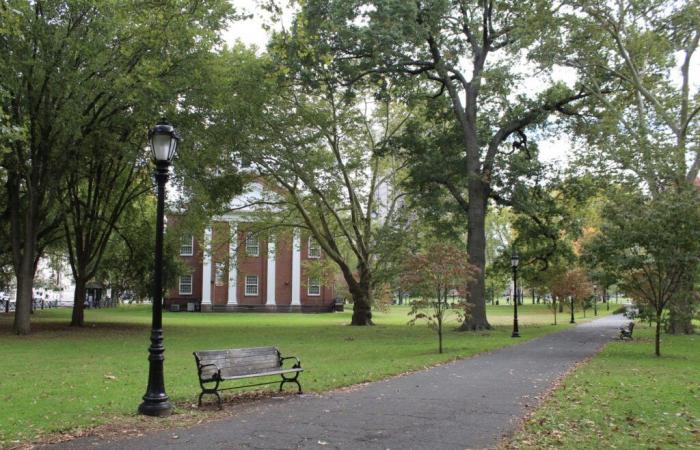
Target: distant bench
<point>215,366</point>
<point>626,332</point>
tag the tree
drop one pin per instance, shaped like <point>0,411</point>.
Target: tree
<point>573,285</point>
<point>97,194</point>
<point>319,151</point>
<point>70,68</point>
<point>433,274</point>
<point>648,129</point>
<point>655,242</point>
<point>127,263</point>
<point>467,53</point>
<point>343,191</point>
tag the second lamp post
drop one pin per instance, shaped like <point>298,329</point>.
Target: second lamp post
<point>514,264</point>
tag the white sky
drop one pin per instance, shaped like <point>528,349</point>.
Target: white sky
<point>251,32</point>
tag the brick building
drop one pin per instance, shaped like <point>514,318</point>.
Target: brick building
<point>234,269</point>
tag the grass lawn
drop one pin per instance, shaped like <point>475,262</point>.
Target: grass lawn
<point>64,379</point>
<point>624,398</point>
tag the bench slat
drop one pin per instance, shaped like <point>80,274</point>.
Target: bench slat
<point>272,372</point>
<point>236,352</point>
<point>242,360</point>
<point>256,374</point>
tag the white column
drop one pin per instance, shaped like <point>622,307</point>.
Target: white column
<point>271,275</point>
<point>296,269</point>
<point>233,265</point>
<point>206,270</point>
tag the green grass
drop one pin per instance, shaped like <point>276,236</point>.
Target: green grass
<point>61,378</point>
<point>624,398</point>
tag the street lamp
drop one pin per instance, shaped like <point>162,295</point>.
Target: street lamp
<point>571,299</point>
<point>595,300</point>
<point>163,140</point>
<point>514,264</point>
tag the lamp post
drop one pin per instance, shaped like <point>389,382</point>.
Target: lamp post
<point>571,299</point>
<point>595,300</point>
<point>163,140</point>
<point>514,264</point>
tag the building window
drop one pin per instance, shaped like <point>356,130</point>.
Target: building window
<point>314,287</point>
<point>314,248</point>
<point>186,285</point>
<point>251,285</point>
<point>220,275</point>
<point>187,245</point>
<point>252,246</point>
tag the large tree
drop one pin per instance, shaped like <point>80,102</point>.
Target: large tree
<point>97,194</point>
<point>70,68</point>
<point>649,129</point>
<point>318,147</point>
<point>468,52</point>
<point>334,180</point>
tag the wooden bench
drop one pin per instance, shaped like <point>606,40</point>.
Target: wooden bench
<point>215,366</point>
<point>626,332</point>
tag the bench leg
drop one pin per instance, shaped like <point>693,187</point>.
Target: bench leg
<point>291,380</point>
<point>206,390</point>
<point>218,397</point>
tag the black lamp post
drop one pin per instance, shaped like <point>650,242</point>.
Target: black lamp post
<point>163,140</point>
<point>595,300</point>
<point>571,299</point>
<point>514,264</point>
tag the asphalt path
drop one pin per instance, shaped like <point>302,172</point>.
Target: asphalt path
<point>467,404</point>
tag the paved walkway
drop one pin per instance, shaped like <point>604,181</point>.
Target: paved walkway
<point>471,403</point>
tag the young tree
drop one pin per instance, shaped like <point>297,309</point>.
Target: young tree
<point>468,53</point>
<point>655,242</point>
<point>433,274</point>
<point>573,285</point>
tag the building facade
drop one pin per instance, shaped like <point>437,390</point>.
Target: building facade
<point>232,268</point>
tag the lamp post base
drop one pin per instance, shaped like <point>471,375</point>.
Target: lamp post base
<point>156,408</point>
<point>515,334</point>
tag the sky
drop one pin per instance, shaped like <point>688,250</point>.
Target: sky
<point>553,149</point>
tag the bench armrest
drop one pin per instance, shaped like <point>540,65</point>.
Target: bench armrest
<point>297,364</point>
<point>202,366</point>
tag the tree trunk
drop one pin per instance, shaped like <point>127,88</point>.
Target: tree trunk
<point>25,269</point>
<point>680,318</point>
<point>476,247</point>
<point>361,308</point>
<point>78,317</point>
<point>23,302</point>
<point>657,339</point>
<point>361,298</point>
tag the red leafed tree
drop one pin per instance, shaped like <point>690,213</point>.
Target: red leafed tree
<point>573,284</point>
<point>433,275</point>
